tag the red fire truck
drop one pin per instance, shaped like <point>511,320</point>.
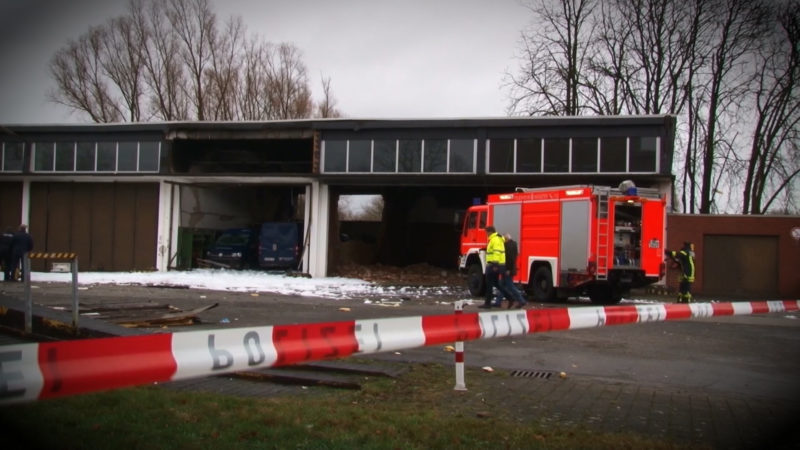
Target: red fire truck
<point>573,240</point>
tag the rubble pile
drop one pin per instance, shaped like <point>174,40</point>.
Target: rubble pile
<point>416,274</point>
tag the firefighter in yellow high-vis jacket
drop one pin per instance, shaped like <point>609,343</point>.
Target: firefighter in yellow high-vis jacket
<point>685,260</point>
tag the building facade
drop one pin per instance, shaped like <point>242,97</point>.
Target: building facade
<point>137,196</point>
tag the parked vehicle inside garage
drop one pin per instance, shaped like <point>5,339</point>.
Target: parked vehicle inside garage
<point>279,245</point>
<point>235,248</point>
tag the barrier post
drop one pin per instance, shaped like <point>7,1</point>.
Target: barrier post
<point>75,293</point>
<point>459,355</point>
<point>26,264</point>
<point>26,277</point>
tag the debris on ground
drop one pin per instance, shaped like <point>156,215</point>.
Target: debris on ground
<point>209,264</point>
<point>173,318</point>
<point>141,314</point>
<point>421,274</point>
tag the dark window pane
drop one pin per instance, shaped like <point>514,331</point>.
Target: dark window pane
<point>127,157</point>
<point>385,156</point>
<point>435,155</point>
<point>335,156</point>
<point>584,154</point>
<point>529,155</point>
<point>410,156</point>
<point>472,221</point>
<point>643,154</point>
<point>85,157</point>
<point>65,156</point>
<point>43,156</point>
<point>462,155</point>
<point>613,154</point>
<point>106,156</point>
<point>556,155</point>
<point>359,158</point>
<point>148,157</point>
<point>13,156</point>
<point>501,156</point>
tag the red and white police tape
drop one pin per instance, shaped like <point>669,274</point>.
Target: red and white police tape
<point>53,369</point>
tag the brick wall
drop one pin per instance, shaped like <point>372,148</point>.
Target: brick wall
<point>695,228</point>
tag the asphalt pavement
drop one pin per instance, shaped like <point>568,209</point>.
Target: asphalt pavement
<point>729,382</point>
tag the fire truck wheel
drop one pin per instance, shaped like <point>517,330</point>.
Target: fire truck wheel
<point>543,284</point>
<point>475,281</point>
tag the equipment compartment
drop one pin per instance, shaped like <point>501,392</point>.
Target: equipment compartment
<point>627,235</point>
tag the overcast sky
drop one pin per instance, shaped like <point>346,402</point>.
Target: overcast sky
<point>386,59</point>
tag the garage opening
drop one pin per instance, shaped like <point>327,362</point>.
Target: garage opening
<point>240,227</point>
<point>397,227</point>
<point>360,220</point>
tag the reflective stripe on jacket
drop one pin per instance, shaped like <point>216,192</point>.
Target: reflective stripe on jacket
<point>496,250</point>
<point>686,260</point>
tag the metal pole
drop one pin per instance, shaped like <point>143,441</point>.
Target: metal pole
<point>26,275</point>
<point>75,294</point>
<point>459,356</point>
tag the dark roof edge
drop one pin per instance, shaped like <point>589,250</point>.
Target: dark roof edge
<point>338,124</point>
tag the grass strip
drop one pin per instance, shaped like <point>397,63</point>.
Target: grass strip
<point>418,410</point>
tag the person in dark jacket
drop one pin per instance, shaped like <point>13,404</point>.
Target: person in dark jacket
<point>495,267</point>
<point>684,258</point>
<point>507,277</point>
<point>20,245</point>
<point>5,253</point>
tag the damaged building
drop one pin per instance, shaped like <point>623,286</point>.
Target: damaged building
<point>153,196</point>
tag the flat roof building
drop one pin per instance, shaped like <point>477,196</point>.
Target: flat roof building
<point>127,196</point>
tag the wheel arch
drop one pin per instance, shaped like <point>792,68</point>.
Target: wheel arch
<point>534,262</point>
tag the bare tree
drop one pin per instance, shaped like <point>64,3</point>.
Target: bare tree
<point>326,108</point>
<point>223,75</point>
<point>195,26</point>
<point>648,58</point>
<point>163,71</point>
<point>692,141</point>
<point>706,61</point>
<point>289,94</point>
<point>123,64</point>
<point>174,61</point>
<point>738,27</point>
<point>774,160</point>
<point>251,92</point>
<point>79,74</point>
<point>609,69</point>
<point>554,56</point>
<point>659,49</point>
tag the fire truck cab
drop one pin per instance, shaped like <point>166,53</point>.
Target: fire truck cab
<point>573,240</point>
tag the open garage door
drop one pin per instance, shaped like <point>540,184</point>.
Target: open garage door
<point>111,226</point>
<point>740,266</point>
<point>209,212</point>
